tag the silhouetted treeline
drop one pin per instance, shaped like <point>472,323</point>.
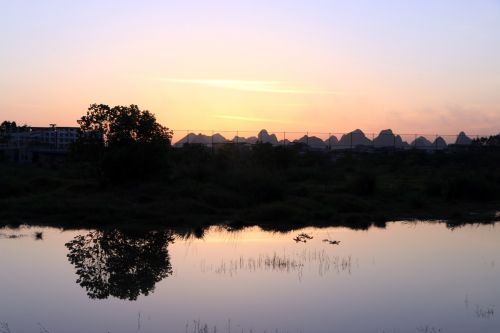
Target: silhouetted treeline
<point>118,263</point>
<point>122,143</point>
<point>280,187</point>
<point>7,128</point>
<point>275,187</point>
<point>491,141</point>
<point>10,127</point>
<point>471,174</point>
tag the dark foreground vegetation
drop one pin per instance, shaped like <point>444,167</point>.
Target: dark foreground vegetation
<point>123,173</point>
<point>275,187</point>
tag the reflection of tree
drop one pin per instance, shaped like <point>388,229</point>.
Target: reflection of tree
<point>120,264</point>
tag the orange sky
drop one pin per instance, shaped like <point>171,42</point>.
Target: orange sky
<point>317,66</point>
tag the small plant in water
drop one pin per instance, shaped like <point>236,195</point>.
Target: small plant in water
<point>42,329</point>
<point>331,242</point>
<point>198,327</point>
<point>303,237</point>
<point>4,327</point>
<point>11,236</point>
<point>429,329</point>
<point>484,312</point>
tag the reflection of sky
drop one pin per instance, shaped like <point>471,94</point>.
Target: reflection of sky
<point>403,277</point>
<point>320,65</point>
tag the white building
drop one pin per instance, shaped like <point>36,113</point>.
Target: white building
<point>59,138</point>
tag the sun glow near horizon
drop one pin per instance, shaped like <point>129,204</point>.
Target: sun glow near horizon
<point>320,66</point>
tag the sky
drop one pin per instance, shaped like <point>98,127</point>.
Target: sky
<point>421,66</point>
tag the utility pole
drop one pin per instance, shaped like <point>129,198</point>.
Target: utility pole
<point>54,129</point>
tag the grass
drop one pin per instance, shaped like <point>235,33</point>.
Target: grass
<point>275,188</point>
<point>484,312</point>
<point>429,329</point>
<point>4,327</point>
<point>317,261</point>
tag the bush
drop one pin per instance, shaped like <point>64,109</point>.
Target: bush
<point>276,212</point>
<point>255,185</point>
<point>472,188</point>
<point>134,161</point>
<point>362,184</point>
<point>434,188</point>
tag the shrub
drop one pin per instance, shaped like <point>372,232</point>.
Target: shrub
<point>472,188</point>
<point>362,184</point>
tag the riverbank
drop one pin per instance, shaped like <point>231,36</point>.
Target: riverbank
<point>275,189</point>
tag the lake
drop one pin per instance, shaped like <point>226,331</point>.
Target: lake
<point>407,277</point>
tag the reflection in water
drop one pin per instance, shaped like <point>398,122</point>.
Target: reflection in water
<point>120,264</point>
<point>429,329</point>
<point>485,312</point>
<point>320,261</point>
<point>409,277</point>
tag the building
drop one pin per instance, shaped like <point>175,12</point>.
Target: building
<point>29,144</point>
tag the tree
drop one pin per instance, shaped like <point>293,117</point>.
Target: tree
<point>122,264</point>
<point>7,126</point>
<point>125,142</point>
<point>492,141</point>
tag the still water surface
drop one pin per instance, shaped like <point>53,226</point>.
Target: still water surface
<point>408,277</point>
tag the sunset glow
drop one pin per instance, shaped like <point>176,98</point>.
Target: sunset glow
<point>324,66</point>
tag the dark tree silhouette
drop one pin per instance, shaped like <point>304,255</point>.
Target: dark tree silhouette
<point>7,126</point>
<point>124,142</point>
<point>122,125</point>
<point>491,141</point>
<point>120,264</point>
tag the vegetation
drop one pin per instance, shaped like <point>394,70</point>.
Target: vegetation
<point>491,141</point>
<point>120,264</point>
<point>275,187</point>
<point>122,143</point>
<point>9,127</point>
<point>123,173</point>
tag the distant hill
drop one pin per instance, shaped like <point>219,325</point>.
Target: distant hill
<point>439,143</point>
<point>312,141</point>
<point>331,141</point>
<point>463,139</point>
<point>387,139</point>
<point>201,139</point>
<point>421,143</point>
<point>355,139</point>
<point>264,137</point>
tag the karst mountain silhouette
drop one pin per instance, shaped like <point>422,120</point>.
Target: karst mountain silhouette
<point>355,139</point>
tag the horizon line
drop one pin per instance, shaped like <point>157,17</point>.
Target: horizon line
<point>423,133</point>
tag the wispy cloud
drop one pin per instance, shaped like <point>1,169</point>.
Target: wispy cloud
<point>250,119</point>
<point>277,87</point>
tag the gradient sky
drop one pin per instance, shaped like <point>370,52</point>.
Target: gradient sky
<point>416,66</point>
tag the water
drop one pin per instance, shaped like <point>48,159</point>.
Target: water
<point>408,277</point>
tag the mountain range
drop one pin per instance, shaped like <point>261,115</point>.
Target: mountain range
<point>355,139</point>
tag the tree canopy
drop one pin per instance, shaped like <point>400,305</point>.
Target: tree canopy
<point>120,264</point>
<point>11,126</point>
<point>122,125</point>
<point>125,143</point>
